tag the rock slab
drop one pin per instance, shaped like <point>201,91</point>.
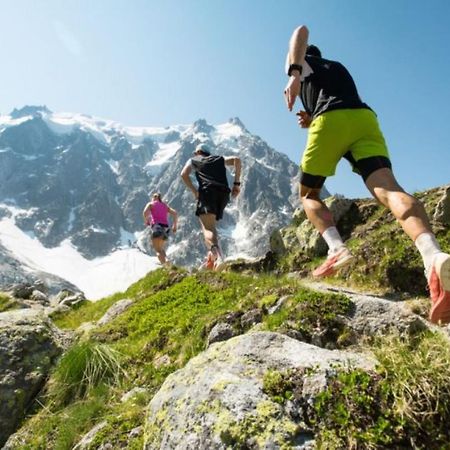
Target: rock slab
<point>29,345</point>
<point>219,394</point>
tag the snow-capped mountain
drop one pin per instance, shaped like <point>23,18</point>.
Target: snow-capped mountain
<point>72,179</point>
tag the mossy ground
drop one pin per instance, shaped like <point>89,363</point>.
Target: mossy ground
<point>171,317</point>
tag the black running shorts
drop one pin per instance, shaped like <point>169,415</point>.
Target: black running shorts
<point>212,201</point>
<point>160,230</point>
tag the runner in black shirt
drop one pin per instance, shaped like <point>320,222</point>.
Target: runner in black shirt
<point>212,195</point>
<point>341,125</point>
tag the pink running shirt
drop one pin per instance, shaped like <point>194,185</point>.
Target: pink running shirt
<point>158,212</point>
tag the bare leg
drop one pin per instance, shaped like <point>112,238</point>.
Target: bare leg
<point>208,224</point>
<point>409,212</point>
<point>322,219</point>
<point>158,245</point>
<point>411,215</point>
<point>316,210</point>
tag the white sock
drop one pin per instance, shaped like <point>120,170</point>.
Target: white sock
<point>428,246</point>
<point>333,239</point>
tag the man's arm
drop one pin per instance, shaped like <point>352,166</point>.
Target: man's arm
<point>186,177</point>
<point>174,215</point>
<point>296,56</point>
<point>236,162</point>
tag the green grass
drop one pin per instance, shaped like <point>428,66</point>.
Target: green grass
<point>405,404</point>
<point>7,303</point>
<point>122,418</point>
<point>175,321</point>
<point>92,311</point>
<point>310,312</point>
<point>417,374</point>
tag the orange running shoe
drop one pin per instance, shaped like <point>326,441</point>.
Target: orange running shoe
<point>208,264</point>
<point>335,261</point>
<point>439,285</point>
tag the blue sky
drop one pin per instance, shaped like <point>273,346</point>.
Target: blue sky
<point>148,62</point>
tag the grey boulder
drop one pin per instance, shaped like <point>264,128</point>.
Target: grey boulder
<point>29,345</point>
<point>215,400</point>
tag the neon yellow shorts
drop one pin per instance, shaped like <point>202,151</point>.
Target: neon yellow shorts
<point>351,132</point>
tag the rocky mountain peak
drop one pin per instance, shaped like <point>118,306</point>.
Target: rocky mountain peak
<point>202,126</point>
<point>238,122</point>
<point>29,110</point>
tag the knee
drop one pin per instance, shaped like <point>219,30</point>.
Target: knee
<point>307,193</point>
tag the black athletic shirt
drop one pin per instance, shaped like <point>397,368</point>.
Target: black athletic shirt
<point>329,86</point>
<point>210,172</point>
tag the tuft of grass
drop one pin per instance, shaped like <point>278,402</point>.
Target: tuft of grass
<point>417,374</point>
<point>7,303</point>
<point>84,367</point>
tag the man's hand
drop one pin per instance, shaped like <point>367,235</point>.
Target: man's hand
<point>235,190</point>
<point>195,193</point>
<point>292,90</point>
<point>174,229</point>
<point>304,119</point>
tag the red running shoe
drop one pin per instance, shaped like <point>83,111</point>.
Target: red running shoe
<point>208,264</point>
<point>439,285</point>
<point>335,261</point>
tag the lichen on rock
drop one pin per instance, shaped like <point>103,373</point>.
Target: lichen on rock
<point>217,400</point>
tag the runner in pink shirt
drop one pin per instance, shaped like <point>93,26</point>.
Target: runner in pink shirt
<point>156,214</point>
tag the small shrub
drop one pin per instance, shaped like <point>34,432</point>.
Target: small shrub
<point>278,386</point>
<point>353,412</point>
<point>287,385</point>
<point>312,313</point>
